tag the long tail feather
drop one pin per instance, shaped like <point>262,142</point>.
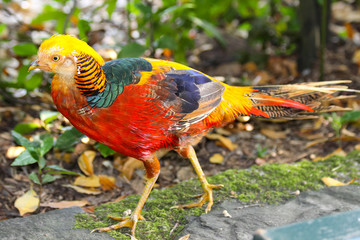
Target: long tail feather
<point>297,100</point>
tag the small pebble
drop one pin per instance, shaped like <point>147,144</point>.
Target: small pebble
<point>226,214</point>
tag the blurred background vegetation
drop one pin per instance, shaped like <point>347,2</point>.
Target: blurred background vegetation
<point>181,30</point>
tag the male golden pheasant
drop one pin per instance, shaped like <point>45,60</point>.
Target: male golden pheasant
<point>138,106</point>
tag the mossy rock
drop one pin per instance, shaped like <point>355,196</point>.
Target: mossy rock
<point>267,184</point>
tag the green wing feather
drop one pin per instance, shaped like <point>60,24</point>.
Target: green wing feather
<point>119,73</point>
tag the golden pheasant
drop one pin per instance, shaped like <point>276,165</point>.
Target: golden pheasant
<point>138,106</point>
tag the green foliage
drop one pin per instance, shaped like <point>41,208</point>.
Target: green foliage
<point>24,128</point>
<point>84,28</point>
<point>68,139</point>
<point>50,13</point>
<point>104,150</point>
<point>25,49</point>
<point>47,116</point>
<point>111,5</point>
<point>34,153</point>
<point>261,151</point>
<point>132,50</point>
<point>339,122</point>
<point>169,24</point>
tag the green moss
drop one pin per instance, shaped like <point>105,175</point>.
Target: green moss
<point>272,183</point>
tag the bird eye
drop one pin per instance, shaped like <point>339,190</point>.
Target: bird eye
<point>56,58</point>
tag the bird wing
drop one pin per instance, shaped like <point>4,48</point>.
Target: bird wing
<point>186,93</point>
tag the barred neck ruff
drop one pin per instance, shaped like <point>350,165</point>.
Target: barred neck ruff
<point>89,78</point>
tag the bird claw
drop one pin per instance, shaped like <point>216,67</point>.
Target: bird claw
<point>206,196</point>
<point>129,222</point>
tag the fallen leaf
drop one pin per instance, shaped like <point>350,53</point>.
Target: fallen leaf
<point>186,237</point>
<point>129,167</point>
<point>93,191</point>
<point>273,134</point>
<point>222,141</point>
<point>316,142</point>
<point>250,67</point>
<point>89,209</point>
<point>107,182</point>
<point>28,202</point>
<point>349,30</point>
<point>216,158</point>
<point>263,78</point>
<point>84,181</point>
<point>14,151</point>
<point>65,204</point>
<point>330,182</point>
<point>337,152</point>
<point>85,162</point>
<point>223,131</point>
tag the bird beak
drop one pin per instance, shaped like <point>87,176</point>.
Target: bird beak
<point>34,65</point>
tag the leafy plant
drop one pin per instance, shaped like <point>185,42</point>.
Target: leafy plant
<point>339,122</point>
<point>261,151</point>
<point>34,153</point>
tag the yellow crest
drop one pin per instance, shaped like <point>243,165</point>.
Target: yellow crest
<point>67,45</point>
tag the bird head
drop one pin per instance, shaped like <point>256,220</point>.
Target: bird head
<point>59,54</point>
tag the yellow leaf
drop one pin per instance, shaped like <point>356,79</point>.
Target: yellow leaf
<point>85,162</point>
<point>92,181</point>
<point>14,151</point>
<point>93,191</point>
<point>129,167</point>
<point>338,152</point>
<point>28,202</point>
<point>107,182</point>
<point>216,158</point>
<point>273,134</point>
<point>65,204</point>
<point>330,182</point>
<point>223,141</point>
<point>186,237</point>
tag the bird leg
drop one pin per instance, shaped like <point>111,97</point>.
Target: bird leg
<point>189,152</point>
<point>152,172</point>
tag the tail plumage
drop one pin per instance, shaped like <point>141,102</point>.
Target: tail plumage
<point>297,100</point>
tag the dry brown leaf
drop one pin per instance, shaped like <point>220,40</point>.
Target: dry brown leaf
<point>273,134</point>
<point>92,181</point>
<point>216,158</point>
<point>28,202</point>
<point>14,151</point>
<point>222,141</point>
<point>331,182</point>
<point>338,152</point>
<point>107,182</point>
<point>89,209</point>
<point>223,131</point>
<point>357,146</point>
<point>65,204</point>
<point>186,237</point>
<point>92,191</point>
<point>129,167</point>
<point>85,162</point>
<point>316,142</point>
<point>263,78</point>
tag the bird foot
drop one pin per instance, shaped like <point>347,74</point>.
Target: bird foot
<point>129,222</point>
<point>206,196</point>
